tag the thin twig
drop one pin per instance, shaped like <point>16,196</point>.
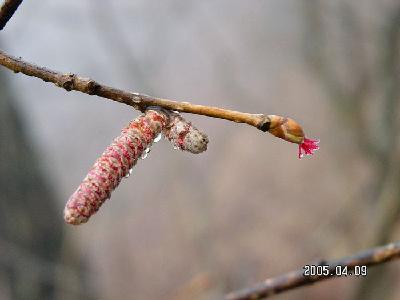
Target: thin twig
<point>296,278</point>
<point>7,10</point>
<point>138,101</point>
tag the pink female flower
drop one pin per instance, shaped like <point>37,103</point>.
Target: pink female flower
<point>309,146</point>
<point>113,165</point>
<point>291,131</point>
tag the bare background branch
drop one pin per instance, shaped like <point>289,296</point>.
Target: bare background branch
<point>295,279</point>
<point>7,10</point>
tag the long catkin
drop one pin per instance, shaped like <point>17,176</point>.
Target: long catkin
<point>113,165</point>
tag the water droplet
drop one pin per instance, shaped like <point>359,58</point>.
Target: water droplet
<point>157,138</point>
<point>176,147</point>
<point>145,153</point>
<point>129,173</point>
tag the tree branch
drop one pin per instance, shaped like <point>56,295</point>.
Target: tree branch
<point>296,278</point>
<point>138,101</point>
<point>7,10</point>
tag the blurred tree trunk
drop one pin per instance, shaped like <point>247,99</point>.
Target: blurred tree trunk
<point>377,138</point>
<point>31,231</point>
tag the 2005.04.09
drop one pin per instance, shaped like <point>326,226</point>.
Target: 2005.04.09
<point>339,270</point>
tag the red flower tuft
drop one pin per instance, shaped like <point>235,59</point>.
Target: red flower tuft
<point>309,146</point>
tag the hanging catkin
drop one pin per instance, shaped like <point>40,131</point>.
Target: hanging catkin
<point>183,135</point>
<point>114,164</point>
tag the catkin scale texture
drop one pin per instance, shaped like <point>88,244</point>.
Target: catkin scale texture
<point>113,165</point>
<point>183,135</point>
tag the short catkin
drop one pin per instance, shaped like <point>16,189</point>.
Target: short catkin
<point>113,165</point>
<point>183,135</point>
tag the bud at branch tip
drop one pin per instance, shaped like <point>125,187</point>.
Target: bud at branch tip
<point>291,131</point>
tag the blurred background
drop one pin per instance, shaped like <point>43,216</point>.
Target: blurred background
<point>197,227</point>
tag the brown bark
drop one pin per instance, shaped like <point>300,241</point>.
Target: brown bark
<point>7,10</point>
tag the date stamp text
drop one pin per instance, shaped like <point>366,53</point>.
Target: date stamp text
<point>339,271</point>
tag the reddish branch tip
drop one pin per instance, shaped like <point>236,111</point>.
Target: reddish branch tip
<point>289,130</point>
<point>286,128</point>
<point>309,146</point>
